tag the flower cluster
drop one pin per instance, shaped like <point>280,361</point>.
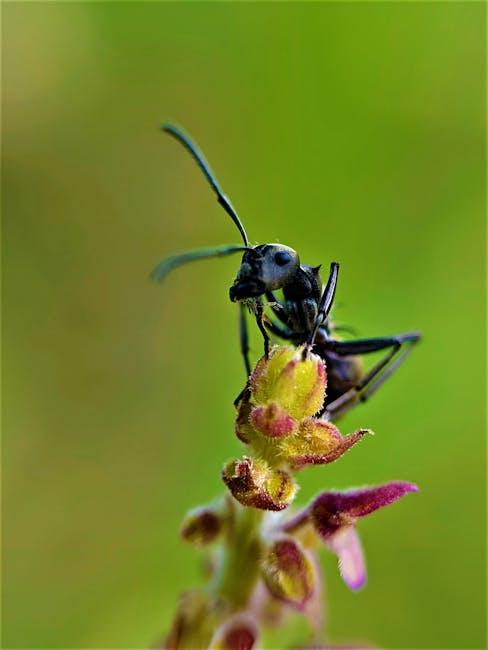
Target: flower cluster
<point>277,420</point>
<point>264,563</point>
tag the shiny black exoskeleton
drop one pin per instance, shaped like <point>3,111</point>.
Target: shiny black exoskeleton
<point>302,315</point>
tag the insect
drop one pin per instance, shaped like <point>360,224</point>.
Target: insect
<point>303,315</point>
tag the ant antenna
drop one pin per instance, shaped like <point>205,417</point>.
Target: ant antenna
<point>207,172</point>
<point>159,273</point>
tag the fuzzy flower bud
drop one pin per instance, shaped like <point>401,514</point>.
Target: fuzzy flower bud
<point>272,420</point>
<point>254,483</point>
<point>318,442</point>
<point>196,617</point>
<point>201,526</point>
<point>294,384</point>
<point>288,572</point>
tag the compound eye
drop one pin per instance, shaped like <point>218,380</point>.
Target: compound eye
<point>282,258</point>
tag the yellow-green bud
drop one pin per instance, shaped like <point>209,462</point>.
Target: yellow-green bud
<point>317,442</point>
<point>289,572</point>
<point>297,385</point>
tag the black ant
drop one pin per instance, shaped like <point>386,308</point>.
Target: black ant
<point>303,315</point>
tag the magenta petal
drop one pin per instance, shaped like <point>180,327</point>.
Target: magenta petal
<point>346,545</point>
<point>330,510</point>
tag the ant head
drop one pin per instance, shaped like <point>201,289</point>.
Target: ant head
<point>264,268</point>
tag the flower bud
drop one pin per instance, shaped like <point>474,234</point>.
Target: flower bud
<point>238,633</point>
<point>317,442</point>
<point>264,443</point>
<point>244,430</point>
<point>254,483</point>
<point>194,621</point>
<point>272,420</point>
<point>201,526</point>
<point>297,385</point>
<point>288,572</point>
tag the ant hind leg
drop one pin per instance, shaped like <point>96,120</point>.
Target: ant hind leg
<point>378,374</point>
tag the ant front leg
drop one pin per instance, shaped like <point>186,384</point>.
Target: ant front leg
<point>244,338</point>
<point>275,328</point>
<point>324,306</point>
<point>373,379</point>
<point>277,308</point>
<point>244,343</point>
<point>259,313</point>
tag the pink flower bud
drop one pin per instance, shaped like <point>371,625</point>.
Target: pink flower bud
<point>272,420</point>
<point>240,632</point>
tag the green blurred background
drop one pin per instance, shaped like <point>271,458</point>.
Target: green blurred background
<point>352,132</point>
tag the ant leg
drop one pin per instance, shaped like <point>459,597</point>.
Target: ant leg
<point>378,373</point>
<point>370,390</point>
<point>342,327</point>
<point>244,338</point>
<point>338,410</point>
<point>277,308</point>
<point>276,329</point>
<point>241,394</point>
<point>259,312</point>
<point>244,341</point>
<point>366,346</point>
<point>325,305</point>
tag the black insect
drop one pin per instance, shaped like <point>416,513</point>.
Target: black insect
<point>303,316</point>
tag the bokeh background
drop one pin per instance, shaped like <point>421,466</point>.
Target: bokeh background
<point>353,132</point>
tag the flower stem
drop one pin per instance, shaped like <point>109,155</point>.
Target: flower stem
<point>239,568</point>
